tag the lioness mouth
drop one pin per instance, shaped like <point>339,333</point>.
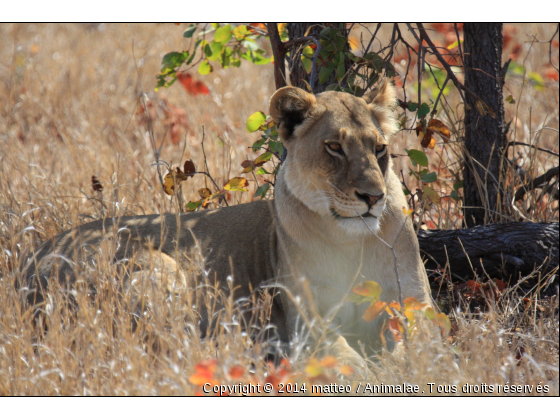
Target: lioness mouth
<point>338,216</point>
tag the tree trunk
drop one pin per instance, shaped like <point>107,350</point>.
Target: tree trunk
<point>297,71</point>
<point>485,130</point>
<point>500,250</point>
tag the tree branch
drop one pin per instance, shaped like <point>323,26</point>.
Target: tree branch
<point>519,143</point>
<point>536,183</point>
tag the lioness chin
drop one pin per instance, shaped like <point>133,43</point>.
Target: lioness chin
<point>337,204</point>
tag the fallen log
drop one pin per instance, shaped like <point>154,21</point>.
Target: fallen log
<point>504,250</point>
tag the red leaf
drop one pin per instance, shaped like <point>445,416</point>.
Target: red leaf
<point>194,87</point>
<point>236,372</point>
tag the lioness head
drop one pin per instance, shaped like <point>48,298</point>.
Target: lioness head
<point>338,162</point>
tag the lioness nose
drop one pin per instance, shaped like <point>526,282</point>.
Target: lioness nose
<point>370,199</point>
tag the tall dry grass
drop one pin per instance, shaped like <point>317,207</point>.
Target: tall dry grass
<point>71,95</point>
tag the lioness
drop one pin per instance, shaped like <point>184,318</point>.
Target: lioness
<point>338,205</point>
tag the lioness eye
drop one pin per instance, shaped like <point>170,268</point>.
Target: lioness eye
<point>335,147</point>
<point>380,149</point>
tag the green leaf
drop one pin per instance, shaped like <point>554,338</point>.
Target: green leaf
<point>262,171</point>
<point>325,73</point>
<point>510,99</point>
<point>307,51</point>
<point>454,195</point>
<point>258,144</point>
<point>223,34</point>
<point>255,121</point>
<point>418,157</point>
<point>431,194</point>
<point>340,70</point>
<point>412,106</point>
<point>193,205</point>
<point>262,159</point>
<point>261,191</point>
<point>205,67</point>
<point>306,61</point>
<point>189,31</point>
<point>173,60</point>
<point>423,110</point>
<point>207,50</point>
<point>307,64</point>
<point>276,147</point>
<point>217,49</point>
<point>427,178</point>
<point>457,185</point>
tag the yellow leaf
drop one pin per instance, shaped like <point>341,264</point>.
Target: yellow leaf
<point>354,42</point>
<point>410,315</point>
<point>430,314</point>
<point>395,305</point>
<point>313,368</point>
<point>412,303</point>
<point>236,184</point>
<point>369,289</point>
<point>444,323</point>
<point>407,212</point>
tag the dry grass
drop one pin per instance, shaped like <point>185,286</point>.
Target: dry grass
<point>70,97</point>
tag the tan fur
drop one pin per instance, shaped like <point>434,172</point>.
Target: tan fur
<point>316,240</point>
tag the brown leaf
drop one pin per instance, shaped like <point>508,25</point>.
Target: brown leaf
<point>95,184</point>
<point>204,192</point>
<point>189,168</point>
<point>440,128</point>
<point>425,136</point>
<point>248,165</point>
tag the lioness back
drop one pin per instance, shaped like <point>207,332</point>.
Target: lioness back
<point>239,238</point>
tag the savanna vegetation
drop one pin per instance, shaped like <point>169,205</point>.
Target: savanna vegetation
<point>107,120</point>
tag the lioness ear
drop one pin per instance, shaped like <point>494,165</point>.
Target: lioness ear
<point>381,100</point>
<point>291,106</point>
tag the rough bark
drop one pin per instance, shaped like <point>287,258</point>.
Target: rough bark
<point>485,128</point>
<point>279,52</point>
<point>297,71</point>
<point>503,249</point>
